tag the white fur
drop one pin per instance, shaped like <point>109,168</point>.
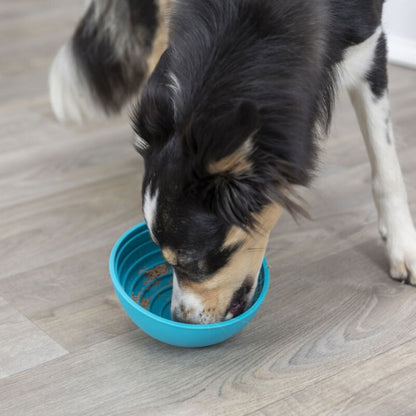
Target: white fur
<point>69,93</point>
<point>357,61</point>
<point>175,89</point>
<point>389,192</point>
<point>174,84</point>
<point>351,70</point>
<point>149,209</point>
<point>188,301</point>
<point>140,143</point>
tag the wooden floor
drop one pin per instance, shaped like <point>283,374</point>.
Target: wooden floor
<point>335,336</point>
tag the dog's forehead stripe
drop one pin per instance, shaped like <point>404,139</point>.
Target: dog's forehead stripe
<point>150,208</point>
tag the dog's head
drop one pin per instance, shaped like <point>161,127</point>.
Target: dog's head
<point>215,263</point>
<point>210,197</point>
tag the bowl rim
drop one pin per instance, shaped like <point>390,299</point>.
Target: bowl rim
<point>121,292</point>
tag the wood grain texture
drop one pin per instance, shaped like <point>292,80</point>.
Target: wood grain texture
<point>335,335</point>
<point>383,385</point>
<point>22,344</point>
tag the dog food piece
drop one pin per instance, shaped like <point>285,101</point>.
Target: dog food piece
<point>144,303</point>
<point>151,276</point>
<point>157,271</point>
<point>135,298</point>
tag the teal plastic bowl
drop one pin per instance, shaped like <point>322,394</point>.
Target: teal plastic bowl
<point>143,284</point>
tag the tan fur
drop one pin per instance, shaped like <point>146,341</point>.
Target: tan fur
<point>161,39</point>
<point>170,256</point>
<point>217,291</point>
<point>237,163</point>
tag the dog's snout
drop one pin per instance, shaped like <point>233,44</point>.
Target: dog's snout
<point>183,272</point>
<point>189,315</point>
<point>192,308</point>
<point>176,316</point>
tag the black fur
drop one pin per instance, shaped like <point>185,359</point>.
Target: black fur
<point>110,53</point>
<point>238,70</point>
<point>144,14</point>
<point>274,57</point>
<point>377,77</point>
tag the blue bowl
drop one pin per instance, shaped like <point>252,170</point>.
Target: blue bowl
<point>143,283</point>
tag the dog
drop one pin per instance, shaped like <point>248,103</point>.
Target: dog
<point>228,124</point>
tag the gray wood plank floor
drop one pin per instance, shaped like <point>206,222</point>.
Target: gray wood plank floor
<point>335,336</point>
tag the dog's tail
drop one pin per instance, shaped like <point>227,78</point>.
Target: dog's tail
<point>102,67</point>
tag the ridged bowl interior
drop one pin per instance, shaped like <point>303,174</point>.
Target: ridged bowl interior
<point>143,283</point>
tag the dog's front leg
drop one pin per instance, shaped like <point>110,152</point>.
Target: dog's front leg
<point>389,192</point>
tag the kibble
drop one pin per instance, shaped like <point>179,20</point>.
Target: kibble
<point>151,278</point>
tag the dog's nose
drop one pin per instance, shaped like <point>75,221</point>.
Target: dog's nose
<point>179,314</point>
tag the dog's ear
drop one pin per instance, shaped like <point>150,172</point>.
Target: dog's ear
<point>153,117</point>
<point>226,179</point>
<point>235,164</point>
<point>220,141</point>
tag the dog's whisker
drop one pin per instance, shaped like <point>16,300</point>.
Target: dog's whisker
<point>256,248</point>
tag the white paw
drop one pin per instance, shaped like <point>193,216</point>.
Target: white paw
<point>69,93</point>
<point>402,255</point>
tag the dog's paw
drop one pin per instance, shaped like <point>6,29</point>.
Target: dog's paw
<point>402,256</point>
